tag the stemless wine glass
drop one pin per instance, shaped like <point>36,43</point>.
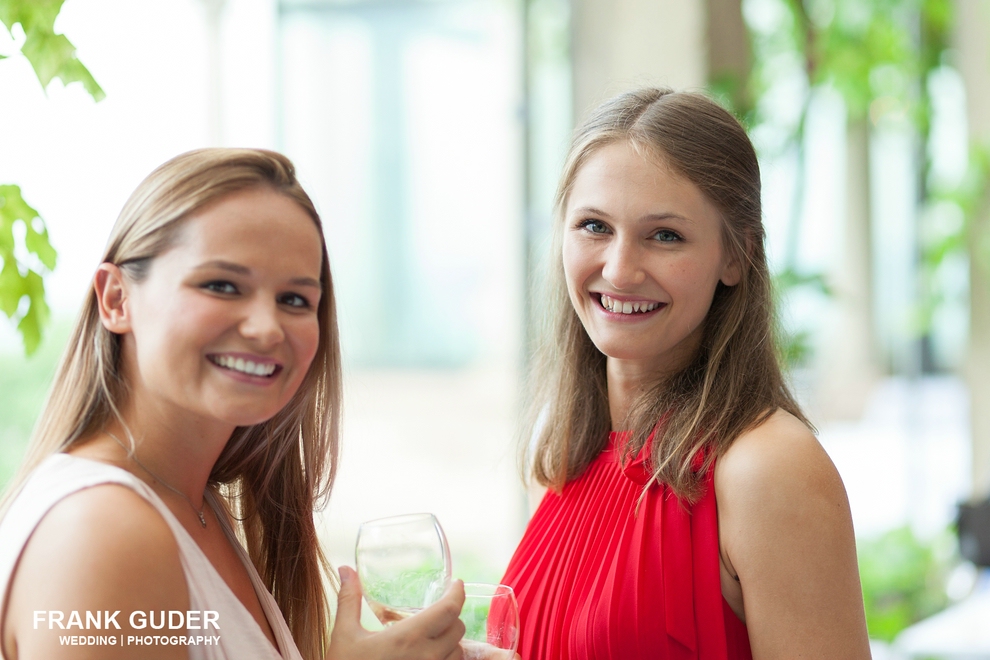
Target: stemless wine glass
<point>403,563</point>
<point>491,622</point>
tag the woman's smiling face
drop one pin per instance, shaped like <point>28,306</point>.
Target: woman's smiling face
<point>225,324</point>
<point>642,254</point>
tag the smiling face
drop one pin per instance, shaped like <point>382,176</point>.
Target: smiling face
<point>642,255</point>
<point>225,326</point>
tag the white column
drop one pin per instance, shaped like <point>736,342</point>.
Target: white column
<point>617,45</point>
<point>849,357</point>
<point>973,46</point>
<point>214,12</point>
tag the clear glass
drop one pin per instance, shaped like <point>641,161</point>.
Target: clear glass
<point>403,563</point>
<point>491,621</point>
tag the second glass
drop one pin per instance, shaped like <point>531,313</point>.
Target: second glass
<point>491,622</point>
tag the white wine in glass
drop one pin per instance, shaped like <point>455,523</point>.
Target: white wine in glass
<point>403,563</point>
<point>491,622</point>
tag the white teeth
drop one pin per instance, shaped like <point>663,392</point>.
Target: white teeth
<point>619,307</point>
<point>244,366</point>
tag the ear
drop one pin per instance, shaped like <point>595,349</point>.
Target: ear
<point>112,298</point>
<point>731,272</point>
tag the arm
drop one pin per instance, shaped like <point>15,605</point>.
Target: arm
<point>101,549</point>
<point>785,529</point>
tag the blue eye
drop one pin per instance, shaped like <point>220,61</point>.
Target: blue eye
<point>667,236</point>
<point>594,226</point>
<point>220,286</point>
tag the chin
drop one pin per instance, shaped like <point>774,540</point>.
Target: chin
<point>622,351</point>
<point>250,417</point>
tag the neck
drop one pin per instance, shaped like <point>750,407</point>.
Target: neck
<point>627,380</point>
<point>176,450</point>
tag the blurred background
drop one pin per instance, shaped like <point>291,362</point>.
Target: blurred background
<point>431,133</point>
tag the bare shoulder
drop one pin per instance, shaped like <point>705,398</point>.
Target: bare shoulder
<point>108,526</point>
<point>100,549</point>
<point>786,531</point>
<point>780,457</point>
<point>775,478</point>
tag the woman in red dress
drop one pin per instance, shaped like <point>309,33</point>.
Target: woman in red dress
<point>663,334</point>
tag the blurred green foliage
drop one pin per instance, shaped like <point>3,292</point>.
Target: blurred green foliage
<point>24,382</point>
<point>18,279</point>
<point>944,240</point>
<point>879,57</point>
<point>795,345</point>
<point>470,567</point>
<point>903,579</point>
<point>27,256</point>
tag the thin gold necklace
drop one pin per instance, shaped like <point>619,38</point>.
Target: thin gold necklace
<point>199,512</point>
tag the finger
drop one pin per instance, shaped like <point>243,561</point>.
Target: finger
<point>456,653</point>
<point>438,617</point>
<point>349,598</point>
<point>449,638</point>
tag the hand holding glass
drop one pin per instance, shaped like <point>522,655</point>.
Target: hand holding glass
<point>403,563</point>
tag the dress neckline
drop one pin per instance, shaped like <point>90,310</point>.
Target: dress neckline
<point>635,468</point>
<point>184,539</point>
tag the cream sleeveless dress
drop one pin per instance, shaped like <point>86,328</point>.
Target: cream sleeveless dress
<point>240,637</point>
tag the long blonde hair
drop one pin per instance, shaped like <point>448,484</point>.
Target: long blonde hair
<point>734,380</point>
<point>270,476</point>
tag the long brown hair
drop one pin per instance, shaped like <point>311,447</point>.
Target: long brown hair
<point>270,476</point>
<point>734,381</point>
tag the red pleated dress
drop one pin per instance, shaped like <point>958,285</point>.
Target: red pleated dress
<point>596,578</point>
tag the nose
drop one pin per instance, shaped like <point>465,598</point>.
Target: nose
<point>261,324</point>
<point>623,268</point>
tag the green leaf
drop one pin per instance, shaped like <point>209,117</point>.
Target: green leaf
<point>13,206</point>
<point>6,233</point>
<point>51,55</point>
<point>38,244</point>
<point>37,313</point>
<point>48,53</point>
<point>74,71</point>
<point>30,13</point>
<point>30,329</point>
<point>11,287</point>
<point>19,280</point>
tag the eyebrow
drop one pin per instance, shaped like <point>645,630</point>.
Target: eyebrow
<point>591,210</point>
<point>244,270</point>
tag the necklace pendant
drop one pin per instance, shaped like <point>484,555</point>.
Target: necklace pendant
<point>202,519</point>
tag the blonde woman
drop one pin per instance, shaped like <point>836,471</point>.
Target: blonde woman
<point>165,506</point>
<point>691,512</point>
